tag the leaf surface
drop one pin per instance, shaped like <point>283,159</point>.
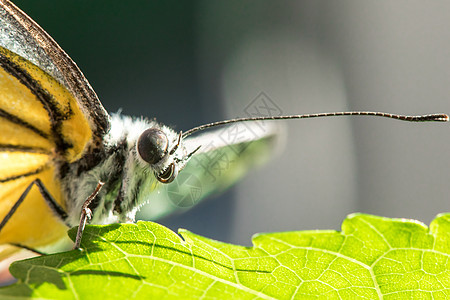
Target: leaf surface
<point>372,258</point>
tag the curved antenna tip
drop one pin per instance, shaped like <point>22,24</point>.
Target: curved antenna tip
<point>440,117</point>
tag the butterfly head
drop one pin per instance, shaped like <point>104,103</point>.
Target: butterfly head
<point>165,157</point>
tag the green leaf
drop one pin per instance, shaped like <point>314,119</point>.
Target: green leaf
<point>373,257</point>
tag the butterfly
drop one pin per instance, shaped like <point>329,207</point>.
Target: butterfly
<point>65,161</point>
<point>58,143</point>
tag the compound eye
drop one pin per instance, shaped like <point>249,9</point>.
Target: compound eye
<point>169,174</point>
<point>152,145</point>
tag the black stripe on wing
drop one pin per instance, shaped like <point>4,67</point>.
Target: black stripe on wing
<point>29,173</point>
<point>22,148</point>
<point>56,116</point>
<point>75,81</point>
<point>19,121</point>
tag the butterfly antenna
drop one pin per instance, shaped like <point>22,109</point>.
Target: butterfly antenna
<point>422,118</point>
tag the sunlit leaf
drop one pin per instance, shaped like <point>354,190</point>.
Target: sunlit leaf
<point>373,257</point>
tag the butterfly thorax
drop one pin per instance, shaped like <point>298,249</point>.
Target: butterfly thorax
<point>129,181</point>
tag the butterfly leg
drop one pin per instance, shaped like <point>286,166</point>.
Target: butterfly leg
<point>56,208</point>
<point>86,214</point>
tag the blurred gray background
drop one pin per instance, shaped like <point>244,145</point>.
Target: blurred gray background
<point>191,62</point>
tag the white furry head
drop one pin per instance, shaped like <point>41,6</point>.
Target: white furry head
<point>129,177</point>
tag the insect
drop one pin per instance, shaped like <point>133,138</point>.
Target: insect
<point>64,160</point>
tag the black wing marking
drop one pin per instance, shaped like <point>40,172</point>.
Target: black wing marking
<point>21,28</point>
<point>48,102</point>
<point>24,174</point>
